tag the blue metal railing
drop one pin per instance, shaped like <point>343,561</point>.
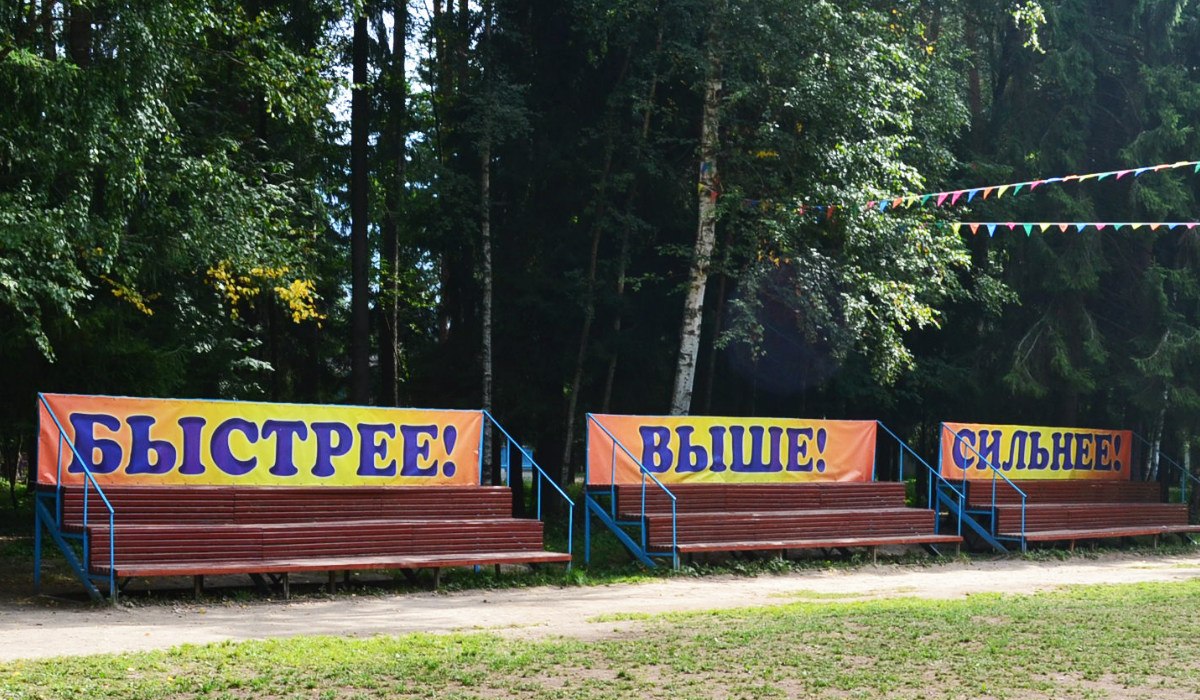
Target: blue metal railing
<point>646,475</point>
<point>57,519</point>
<point>540,476</point>
<point>997,473</point>
<point>1184,475</point>
<point>934,497</point>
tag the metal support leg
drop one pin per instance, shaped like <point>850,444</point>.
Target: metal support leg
<point>332,587</point>
<point>437,578</point>
<point>287,585</point>
<point>37,550</point>
<point>198,587</point>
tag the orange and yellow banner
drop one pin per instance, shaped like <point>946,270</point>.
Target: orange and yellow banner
<point>701,449</point>
<point>1024,452</point>
<point>130,441</point>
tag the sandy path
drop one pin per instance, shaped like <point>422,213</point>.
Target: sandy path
<point>41,629</point>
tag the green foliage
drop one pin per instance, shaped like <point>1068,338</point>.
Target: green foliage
<point>846,105</point>
<point>162,146</point>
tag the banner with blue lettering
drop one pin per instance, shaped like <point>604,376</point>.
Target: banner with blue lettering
<point>703,449</point>
<point>130,441</point>
<point>970,451</point>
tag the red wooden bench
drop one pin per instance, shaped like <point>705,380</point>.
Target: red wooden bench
<point>203,530</point>
<point>1066,511</point>
<point>736,517</point>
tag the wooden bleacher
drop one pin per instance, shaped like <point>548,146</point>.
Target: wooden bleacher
<point>209,530</point>
<point>1071,510</point>
<point>816,515</point>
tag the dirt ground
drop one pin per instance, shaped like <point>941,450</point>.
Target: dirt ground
<point>42,627</point>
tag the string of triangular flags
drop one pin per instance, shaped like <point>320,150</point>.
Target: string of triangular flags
<point>1077,226</point>
<point>953,197</point>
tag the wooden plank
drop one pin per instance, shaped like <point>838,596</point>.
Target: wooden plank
<point>325,564</point>
<point>1102,533</point>
<point>829,543</point>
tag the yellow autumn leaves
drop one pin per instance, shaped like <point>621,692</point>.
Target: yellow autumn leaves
<point>299,294</point>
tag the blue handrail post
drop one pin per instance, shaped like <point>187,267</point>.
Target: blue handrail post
<point>935,479</point>
<point>587,530</point>
<point>674,536</point>
<point>37,549</point>
<point>995,471</point>
<point>539,476</point>
<point>83,566</point>
<point>612,481</point>
<point>644,511</point>
<point>644,472</point>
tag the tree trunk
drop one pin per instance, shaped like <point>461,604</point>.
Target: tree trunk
<point>622,263</point>
<point>623,260</point>
<point>49,41</point>
<point>1156,449</point>
<point>360,325</point>
<point>711,375</point>
<point>589,316</point>
<point>389,289</point>
<point>1185,447</point>
<point>79,35</point>
<point>689,335</point>
<point>485,228</point>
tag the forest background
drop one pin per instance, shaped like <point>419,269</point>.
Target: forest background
<point>628,206</point>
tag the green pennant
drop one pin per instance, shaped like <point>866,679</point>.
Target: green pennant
<point>925,198</point>
<point>1028,229</point>
<point>1018,188</point>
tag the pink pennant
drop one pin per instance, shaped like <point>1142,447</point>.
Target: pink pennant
<point>1122,173</point>
<point>1034,185</point>
<point>954,199</point>
<point>1063,227</point>
<point>942,198</point>
<point>1012,226</point>
<point>1101,227</point>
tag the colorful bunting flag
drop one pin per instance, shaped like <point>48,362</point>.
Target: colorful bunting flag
<point>1016,187</point>
<point>1077,226</point>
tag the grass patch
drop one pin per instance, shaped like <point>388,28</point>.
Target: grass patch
<point>1096,641</point>
<point>825,595</point>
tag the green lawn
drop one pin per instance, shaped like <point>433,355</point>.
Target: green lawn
<point>1106,641</point>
